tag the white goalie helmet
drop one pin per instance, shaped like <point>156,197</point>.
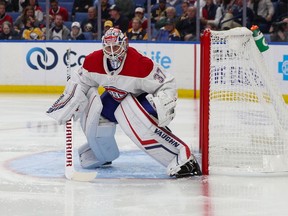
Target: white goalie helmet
<point>115,45</point>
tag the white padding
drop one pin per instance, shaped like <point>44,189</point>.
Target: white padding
<point>158,142</point>
<point>165,105</point>
<point>70,104</point>
<point>91,115</point>
<point>99,133</point>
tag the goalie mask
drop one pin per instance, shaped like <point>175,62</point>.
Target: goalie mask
<point>115,45</point>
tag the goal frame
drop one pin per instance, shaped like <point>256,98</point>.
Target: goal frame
<point>258,108</point>
<point>204,100</point>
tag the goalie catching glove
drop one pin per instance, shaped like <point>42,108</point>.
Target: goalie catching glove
<point>165,107</point>
<point>70,104</point>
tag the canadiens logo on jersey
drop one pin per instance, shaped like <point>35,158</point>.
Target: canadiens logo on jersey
<point>117,94</point>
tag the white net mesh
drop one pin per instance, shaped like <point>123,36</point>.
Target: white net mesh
<point>248,117</point>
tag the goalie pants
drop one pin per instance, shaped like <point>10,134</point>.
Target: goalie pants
<point>110,105</point>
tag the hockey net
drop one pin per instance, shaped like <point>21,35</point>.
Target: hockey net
<point>243,117</point>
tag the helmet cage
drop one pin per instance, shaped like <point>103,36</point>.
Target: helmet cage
<point>115,44</point>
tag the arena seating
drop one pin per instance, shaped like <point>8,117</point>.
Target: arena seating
<point>14,15</point>
<point>68,24</point>
<point>88,35</point>
<point>79,17</point>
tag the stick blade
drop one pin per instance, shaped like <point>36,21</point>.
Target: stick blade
<point>80,176</point>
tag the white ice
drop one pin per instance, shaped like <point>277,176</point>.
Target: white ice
<point>31,189</point>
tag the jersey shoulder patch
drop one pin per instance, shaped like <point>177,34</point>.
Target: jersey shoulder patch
<point>94,62</point>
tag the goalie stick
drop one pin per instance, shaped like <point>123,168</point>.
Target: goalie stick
<point>70,172</point>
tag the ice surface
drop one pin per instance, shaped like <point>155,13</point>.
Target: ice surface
<point>32,179</point>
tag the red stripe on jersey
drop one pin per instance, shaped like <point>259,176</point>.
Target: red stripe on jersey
<point>135,65</point>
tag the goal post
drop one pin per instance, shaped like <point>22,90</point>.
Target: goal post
<point>204,99</point>
<point>243,117</point>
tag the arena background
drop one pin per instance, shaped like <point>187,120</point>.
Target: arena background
<point>40,67</point>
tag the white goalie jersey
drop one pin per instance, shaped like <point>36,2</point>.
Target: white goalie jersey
<point>137,75</point>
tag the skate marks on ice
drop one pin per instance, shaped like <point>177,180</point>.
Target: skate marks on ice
<point>130,164</point>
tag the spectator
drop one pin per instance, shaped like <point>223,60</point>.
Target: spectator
<point>184,8</point>
<point>202,3</point>
<point>187,26</point>
<point>8,33</point>
<point>19,5</point>
<point>76,32</point>
<point>233,17</point>
<point>119,21</point>
<point>43,26</point>
<point>90,23</point>
<point>136,32</point>
<point>111,2</point>
<point>170,13</point>
<point>153,3</point>
<point>158,12</point>
<point>173,2</point>
<point>27,13</point>
<point>12,5</point>
<point>30,32</point>
<point>210,13</point>
<point>263,13</point>
<point>105,7</point>
<point>58,31</point>
<point>16,5</point>
<point>279,31</point>
<point>107,25</point>
<point>81,6</point>
<point>55,9</point>
<point>281,10</point>
<point>4,16</point>
<point>168,32</point>
<point>126,7</point>
<point>139,12</point>
<point>37,10</point>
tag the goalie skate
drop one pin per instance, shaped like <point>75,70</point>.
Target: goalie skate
<point>191,168</point>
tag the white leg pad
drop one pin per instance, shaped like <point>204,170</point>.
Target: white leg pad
<point>101,146</point>
<point>143,130</point>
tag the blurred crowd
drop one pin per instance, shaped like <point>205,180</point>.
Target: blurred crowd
<point>169,20</point>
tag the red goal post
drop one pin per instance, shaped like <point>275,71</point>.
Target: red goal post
<point>243,117</point>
